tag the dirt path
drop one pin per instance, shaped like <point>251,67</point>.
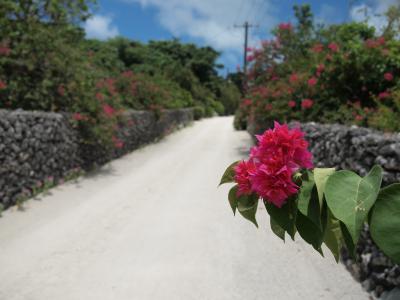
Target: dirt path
<point>153,225</point>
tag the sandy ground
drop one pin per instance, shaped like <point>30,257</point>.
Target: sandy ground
<point>153,225</point>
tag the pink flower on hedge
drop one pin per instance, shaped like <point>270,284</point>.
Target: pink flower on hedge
<point>108,110</point>
<point>250,58</point>
<point>292,104</point>
<point>381,40</point>
<point>293,78</point>
<point>359,118</point>
<point>384,95</point>
<point>320,69</point>
<point>388,76</point>
<point>99,96</point>
<point>3,85</point>
<point>79,117</point>
<point>312,81</point>
<point>307,103</point>
<point>4,50</point>
<point>247,102</point>
<point>61,90</point>
<point>242,176</point>
<point>269,107</point>
<point>317,48</point>
<point>333,47</point>
<point>117,142</point>
<point>285,26</point>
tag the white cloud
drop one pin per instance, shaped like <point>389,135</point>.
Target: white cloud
<point>329,14</point>
<point>373,12</point>
<point>213,21</point>
<point>100,27</point>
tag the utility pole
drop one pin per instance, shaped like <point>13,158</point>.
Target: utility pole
<point>246,27</point>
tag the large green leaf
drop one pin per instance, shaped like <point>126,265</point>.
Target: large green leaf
<point>348,241</point>
<point>350,197</point>
<point>333,235</point>
<point>321,175</point>
<point>229,174</point>
<point>307,186</point>
<point>285,216</point>
<point>278,230</point>
<point>233,199</point>
<point>247,207</point>
<point>309,232</point>
<point>385,222</point>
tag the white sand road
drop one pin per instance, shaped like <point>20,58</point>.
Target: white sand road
<point>153,225</point>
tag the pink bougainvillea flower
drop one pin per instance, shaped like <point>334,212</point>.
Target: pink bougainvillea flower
<point>289,144</point>
<point>388,76</point>
<point>292,104</point>
<point>312,81</point>
<point>4,50</point>
<point>285,26</point>
<point>250,58</point>
<point>317,48</point>
<point>108,110</point>
<point>78,117</point>
<point>320,69</point>
<point>333,47</point>
<point>127,74</point>
<point>307,103</point>
<point>293,78</point>
<point>117,142</point>
<point>242,176</point>
<point>247,102</point>
<point>61,90</point>
<point>275,78</point>
<point>268,107</point>
<point>273,183</point>
<point>359,118</point>
<point>99,96</point>
<point>384,95</point>
<point>381,40</point>
<point>3,85</point>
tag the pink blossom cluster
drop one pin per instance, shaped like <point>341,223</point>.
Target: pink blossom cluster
<point>280,153</point>
<point>285,26</point>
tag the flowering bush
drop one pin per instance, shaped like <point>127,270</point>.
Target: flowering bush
<point>341,73</point>
<point>323,205</point>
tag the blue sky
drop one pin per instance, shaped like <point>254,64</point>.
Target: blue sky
<point>211,22</point>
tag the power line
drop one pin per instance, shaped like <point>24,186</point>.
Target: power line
<point>246,27</point>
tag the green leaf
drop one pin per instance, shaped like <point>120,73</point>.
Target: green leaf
<point>385,222</point>
<point>247,207</point>
<point>229,174</point>
<point>348,241</point>
<point>305,193</point>
<point>333,238</point>
<point>309,232</point>
<point>308,203</point>
<point>350,197</point>
<point>278,230</point>
<point>285,216</point>
<point>321,175</point>
<point>233,199</point>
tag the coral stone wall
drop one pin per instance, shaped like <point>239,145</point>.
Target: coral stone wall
<point>359,149</point>
<point>40,147</point>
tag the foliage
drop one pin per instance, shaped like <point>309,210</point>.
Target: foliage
<point>47,64</point>
<point>325,207</point>
<point>340,73</point>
